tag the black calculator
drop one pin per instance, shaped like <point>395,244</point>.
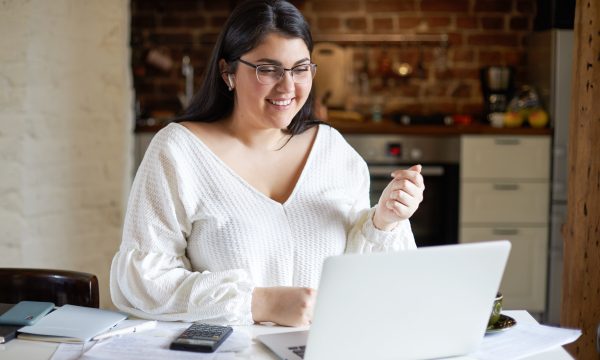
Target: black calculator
<point>201,338</point>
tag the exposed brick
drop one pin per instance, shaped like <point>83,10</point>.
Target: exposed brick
<point>444,5</point>
<point>520,75</point>
<point>310,20</point>
<point>490,57</point>
<point>328,23</point>
<point>519,23</point>
<point>161,102</point>
<point>493,5</point>
<point>438,22</point>
<point>492,23</point>
<point>390,5</point>
<point>515,58</point>
<point>171,38</point>
<point>408,22</point>
<point>461,90</point>
<point>199,55</point>
<point>143,21</point>
<point>472,107</point>
<point>218,21</point>
<point>490,39</point>
<point>466,22</point>
<point>436,89</point>
<point>335,5</point>
<point>466,55</point>
<point>170,5</point>
<point>455,39</point>
<point>442,108</point>
<point>357,23</point>
<point>383,25</point>
<point>492,36</point>
<point>180,20</point>
<point>208,38</point>
<point>216,5</point>
<point>526,6</point>
<point>143,85</point>
<point>300,4</point>
<point>170,87</point>
<point>172,21</point>
<point>458,73</point>
<point>404,88</point>
<point>416,108</point>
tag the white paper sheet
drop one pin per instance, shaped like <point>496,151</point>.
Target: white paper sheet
<point>151,344</point>
<point>524,340</point>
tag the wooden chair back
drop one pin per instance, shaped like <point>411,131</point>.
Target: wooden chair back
<point>57,286</point>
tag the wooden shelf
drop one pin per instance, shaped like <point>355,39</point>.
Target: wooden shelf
<point>389,127</point>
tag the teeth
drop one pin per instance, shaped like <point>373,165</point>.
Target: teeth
<point>281,103</point>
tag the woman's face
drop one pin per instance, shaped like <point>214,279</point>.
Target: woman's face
<point>273,105</point>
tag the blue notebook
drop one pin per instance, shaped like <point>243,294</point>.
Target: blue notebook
<point>25,313</point>
<point>71,323</point>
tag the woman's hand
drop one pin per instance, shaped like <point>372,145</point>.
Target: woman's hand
<point>288,306</point>
<point>400,199</point>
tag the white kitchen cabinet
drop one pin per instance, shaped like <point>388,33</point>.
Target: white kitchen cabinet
<point>524,280</point>
<point>505,194</point>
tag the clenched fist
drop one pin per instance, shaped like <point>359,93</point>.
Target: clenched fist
<point>400,199</point>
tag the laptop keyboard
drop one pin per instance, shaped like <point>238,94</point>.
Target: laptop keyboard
<point>298,350</point>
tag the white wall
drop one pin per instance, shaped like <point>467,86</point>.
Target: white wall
<point>65,133</point>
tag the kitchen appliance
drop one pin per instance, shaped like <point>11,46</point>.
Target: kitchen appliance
<point>436,220</point>
<point>550,61</point>
<point>497,84</point>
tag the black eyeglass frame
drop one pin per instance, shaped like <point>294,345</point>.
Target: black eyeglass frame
<point>313,70</point>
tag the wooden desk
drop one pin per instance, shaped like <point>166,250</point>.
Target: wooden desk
<point>32,350</point>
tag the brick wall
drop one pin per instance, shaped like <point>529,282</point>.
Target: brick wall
<point>481,33</point>
<point>65,134</point>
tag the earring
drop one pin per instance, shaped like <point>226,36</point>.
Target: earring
<point>230,86</point>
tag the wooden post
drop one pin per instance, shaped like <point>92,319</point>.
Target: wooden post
<point>581,277</point>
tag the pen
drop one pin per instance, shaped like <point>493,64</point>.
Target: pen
<point>127,330</point>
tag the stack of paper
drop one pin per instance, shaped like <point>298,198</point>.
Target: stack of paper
<point>524,340</point>
<point>71,323</point>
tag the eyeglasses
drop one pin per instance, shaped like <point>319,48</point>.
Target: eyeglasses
<point>268,74</point>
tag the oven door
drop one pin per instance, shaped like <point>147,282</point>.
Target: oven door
<point>436,220</point>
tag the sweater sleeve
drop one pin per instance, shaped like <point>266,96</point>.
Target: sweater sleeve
<point>151,276</point>
<point>363,236</point>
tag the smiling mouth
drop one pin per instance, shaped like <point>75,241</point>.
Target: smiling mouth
<point>280,102</point>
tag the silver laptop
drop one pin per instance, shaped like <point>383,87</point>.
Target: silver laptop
<point>417,304</point>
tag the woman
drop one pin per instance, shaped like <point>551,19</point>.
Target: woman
<point>233,210</point>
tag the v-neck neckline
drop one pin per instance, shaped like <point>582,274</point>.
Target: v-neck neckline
<point>243,181</point>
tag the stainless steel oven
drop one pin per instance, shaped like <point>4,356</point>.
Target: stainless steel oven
<point>436,220</point>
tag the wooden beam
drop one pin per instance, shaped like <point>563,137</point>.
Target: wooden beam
<point>581,276</point>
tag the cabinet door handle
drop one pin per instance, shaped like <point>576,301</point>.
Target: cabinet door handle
<point>506,187</point>
<point>507,141</point>
<point>504,232</point>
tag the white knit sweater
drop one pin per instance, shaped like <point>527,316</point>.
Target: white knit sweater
<point>198,238</point>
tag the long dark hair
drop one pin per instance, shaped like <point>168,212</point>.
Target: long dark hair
<point>244,30</point>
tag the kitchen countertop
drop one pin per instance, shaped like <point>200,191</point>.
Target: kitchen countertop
<point>389,127</point>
